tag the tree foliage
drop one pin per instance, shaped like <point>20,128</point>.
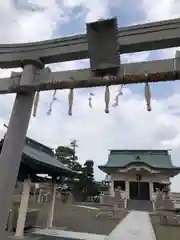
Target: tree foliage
<point>64,155</point>
<point>86,183</point>
<point>89,184</point>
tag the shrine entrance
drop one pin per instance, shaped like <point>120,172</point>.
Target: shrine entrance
<point>139,190</point>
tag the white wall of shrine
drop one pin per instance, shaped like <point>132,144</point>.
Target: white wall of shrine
<point>127,177</point>
<point>132,177</point>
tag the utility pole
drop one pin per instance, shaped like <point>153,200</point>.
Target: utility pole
<point>74,146</point>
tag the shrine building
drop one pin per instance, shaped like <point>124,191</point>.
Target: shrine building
<point>139,173</point>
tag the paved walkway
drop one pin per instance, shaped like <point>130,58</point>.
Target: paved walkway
<point>135,226</point>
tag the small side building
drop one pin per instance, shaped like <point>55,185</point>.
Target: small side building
<point>37,159</point>
<point>139,173</point>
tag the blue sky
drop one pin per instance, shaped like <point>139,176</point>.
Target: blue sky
<point>130,125</point>
<point>126,16</point>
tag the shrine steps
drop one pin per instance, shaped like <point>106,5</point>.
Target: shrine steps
<point>140,205</point>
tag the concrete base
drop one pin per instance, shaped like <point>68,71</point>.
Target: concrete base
<point>24,238</point>
<point>18,238</point>
<point>58,228</point>
<point>69,234</point>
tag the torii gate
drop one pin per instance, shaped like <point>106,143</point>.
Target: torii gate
<point>102,45</point>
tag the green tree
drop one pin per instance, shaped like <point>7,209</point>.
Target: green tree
<point>64,155</point>
<point>89,170</point>
<point>67,155</point>
<point>89,185</point>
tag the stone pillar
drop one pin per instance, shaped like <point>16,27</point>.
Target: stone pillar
<point>12,149</point>
<point>51,206</point>
<point>23,208</point>
<point>39,199</point>
<point>112,188</point>
<point>127,189</point>
<point>151,190</point>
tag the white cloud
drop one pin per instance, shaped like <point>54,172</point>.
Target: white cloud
<point>94,9</point>
<point>129,126</point>
<point>161,10</point>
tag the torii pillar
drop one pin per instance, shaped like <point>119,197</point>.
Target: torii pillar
<point>12,149</point>
<point>23,208</point>
<point>51,205</point>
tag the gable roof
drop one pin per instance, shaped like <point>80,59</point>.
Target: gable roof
<point>42,155</point>
<point>41,158</point>
<point>39,146</point>
<point>152,158</point>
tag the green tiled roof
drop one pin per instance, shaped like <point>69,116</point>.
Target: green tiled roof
<point>153,158</point>
<point>43,158</point>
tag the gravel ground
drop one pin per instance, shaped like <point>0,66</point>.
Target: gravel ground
<point>79,219</point>
<point>74,218</point>
<point>164,232</point>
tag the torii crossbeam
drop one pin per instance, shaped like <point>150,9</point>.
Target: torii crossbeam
<point>34,77</point>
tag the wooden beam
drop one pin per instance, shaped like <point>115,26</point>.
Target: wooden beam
<point>158,71</point>
<point>136,38</point>
<point>6,84</point>
<point>97,82</point>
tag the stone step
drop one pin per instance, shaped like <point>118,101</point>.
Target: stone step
<point>140,205</point>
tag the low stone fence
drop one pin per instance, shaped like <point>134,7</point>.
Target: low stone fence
<point>31,219</point>
<point>175,196</point>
